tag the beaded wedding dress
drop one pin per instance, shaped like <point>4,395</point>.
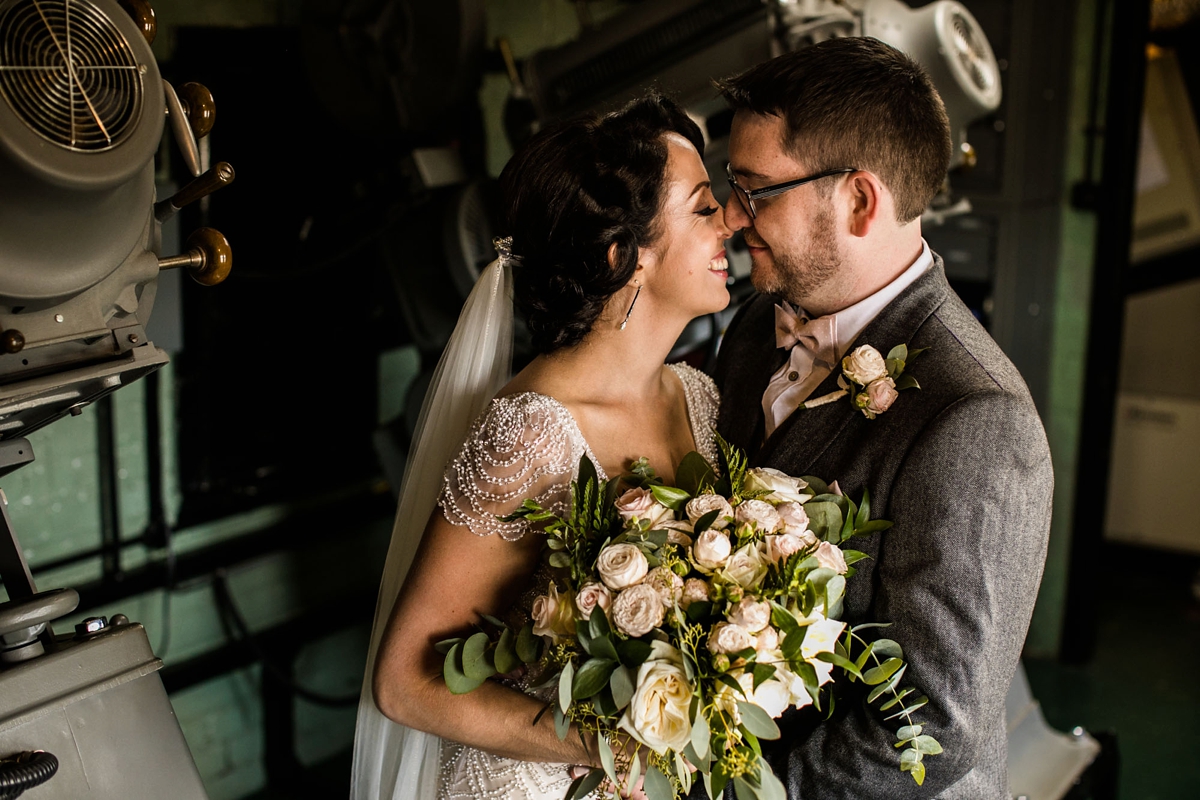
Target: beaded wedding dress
<point>525,445</point>
<point>528,445</point>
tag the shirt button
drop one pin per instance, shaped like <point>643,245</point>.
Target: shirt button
<point>793,375</point>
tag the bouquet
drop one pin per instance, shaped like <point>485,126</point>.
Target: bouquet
<point>680,621</point>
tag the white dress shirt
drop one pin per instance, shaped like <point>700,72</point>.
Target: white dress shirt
<point>801,374</point>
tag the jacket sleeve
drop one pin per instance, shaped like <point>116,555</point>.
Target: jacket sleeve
<point>957,578</point>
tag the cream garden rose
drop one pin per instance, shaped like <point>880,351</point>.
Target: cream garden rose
<point>751,614</point>
<point>621,565</point>
<point>831,557</point>
<point>760,514</point>
<point>794,517</point>
<point>767,640</point>
<point>591,595</point>
<point>864,365</point>
<point>553,615</point>
<point>667,583</point>
<point>729,638</point>
<point>640,504</point>
<point>694,591</point>
<point>657,715</point>
<point>697,507</point>
<point>712,550</point>
<point>783,545</point>
<point>638,610</point>
<point>783,488</point>
<point>748,566</point>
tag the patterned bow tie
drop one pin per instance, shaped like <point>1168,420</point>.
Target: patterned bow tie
<point>818,336</point>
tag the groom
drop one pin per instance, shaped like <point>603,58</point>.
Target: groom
<point>834,152</point>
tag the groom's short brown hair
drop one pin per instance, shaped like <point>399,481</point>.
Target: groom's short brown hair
<point>855,102</point>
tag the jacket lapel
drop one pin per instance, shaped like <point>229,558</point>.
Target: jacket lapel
<point>806,434</point>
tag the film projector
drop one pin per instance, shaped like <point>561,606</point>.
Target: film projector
<point>83,714</point>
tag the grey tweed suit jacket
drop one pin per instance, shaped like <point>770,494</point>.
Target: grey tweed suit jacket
<point>962,467</point>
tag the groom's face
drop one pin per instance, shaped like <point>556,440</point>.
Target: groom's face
<point>792,238</point>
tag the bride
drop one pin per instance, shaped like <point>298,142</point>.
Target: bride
<point>616,243</point>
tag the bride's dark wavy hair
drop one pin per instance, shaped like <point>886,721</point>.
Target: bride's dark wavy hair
<point>572,191</point>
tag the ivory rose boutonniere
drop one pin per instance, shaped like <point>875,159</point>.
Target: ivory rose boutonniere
<point>872,381</point>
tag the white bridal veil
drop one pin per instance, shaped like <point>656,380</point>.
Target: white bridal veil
<point>390,760</point>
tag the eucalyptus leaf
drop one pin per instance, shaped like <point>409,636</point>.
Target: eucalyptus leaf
<point>909,708</point>
<point>757,721</point>
<point>606,758</point>
<point>908,732</point>
<point>657,786</point>
<point>670,496</point>
<point>476,660</point>
<point>497,622</point>
<point>529,646</point>
<point>700,736</point>
<point>633,652</point>
<point>621,684</point>
<point>898,698</point>
<point>918,772</point>
<point>694,474</point>
<point>910,757</point>
<point>585,784</point>
<point>888,648</point>
<point>565,680</point>
<point>560,560</point>
<point>824,520</point>
<point>927,745</point>
<point>444,646</point>
<point>771,787</point>
<point>506,652</point>
<point>562,724</point>
<point>452,671</point>
<point>635,772</point>
<point>591,677</point>
<point>744,789</point>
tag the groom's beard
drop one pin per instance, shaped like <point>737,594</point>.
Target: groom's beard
<point>799,274</point>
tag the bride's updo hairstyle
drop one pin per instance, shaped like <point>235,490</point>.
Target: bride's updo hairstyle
<point>573,190</point>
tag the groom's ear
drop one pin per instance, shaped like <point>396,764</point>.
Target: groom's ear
<point>868,198</point>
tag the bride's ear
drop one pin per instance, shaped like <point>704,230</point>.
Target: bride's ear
<point>612,256</point>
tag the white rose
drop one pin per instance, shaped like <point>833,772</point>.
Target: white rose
<point>637,610</point>
<point>712,549</point>
<point>771,696</point>
<point>767,640</point>
<point>795,518</point>
<point>668,585</point>
<point>783,488</point>
<point>820,638</point>
<point>694,591</point>
<point>640,504</point>
<point>751,614</point>
<point>831,557</point>
<point>864,364</point>
<point>760,514</point>
<point>747,567</point>
<point>658,713</point>
<point>783,545</point>
<point>621,565</point>
<point>591,595</point>
<point>697,507</point>
<point>794,683</point>
<point>553,614</point>
<point>729,638</point>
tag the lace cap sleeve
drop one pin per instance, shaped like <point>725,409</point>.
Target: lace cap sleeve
<point>703,402</point>
<point>521,446</point>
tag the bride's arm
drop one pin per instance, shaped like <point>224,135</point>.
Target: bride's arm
<point>455,576</point>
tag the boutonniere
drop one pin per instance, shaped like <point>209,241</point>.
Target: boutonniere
<point>872,381</point>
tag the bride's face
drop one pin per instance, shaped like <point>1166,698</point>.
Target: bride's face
<point>687,268</point>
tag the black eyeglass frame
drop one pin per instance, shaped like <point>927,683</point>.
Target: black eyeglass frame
<point>747,196</point>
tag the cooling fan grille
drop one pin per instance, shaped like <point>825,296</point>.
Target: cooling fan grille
<point>972,51</point>
<point>68,73</point>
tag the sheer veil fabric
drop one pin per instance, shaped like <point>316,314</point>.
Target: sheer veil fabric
<point>390,760</point>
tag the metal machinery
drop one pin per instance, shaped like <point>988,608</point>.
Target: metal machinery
<point>82,111</point>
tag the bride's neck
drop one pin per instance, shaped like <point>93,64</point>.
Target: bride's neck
<point>611,364</point>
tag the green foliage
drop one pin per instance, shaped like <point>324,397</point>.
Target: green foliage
<point>733,463</point>
<point>694,474</point>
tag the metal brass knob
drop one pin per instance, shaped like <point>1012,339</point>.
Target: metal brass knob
<point>209,259</point>
<point>12,341</point>
<point>143,14</point>
<point>199,107</point>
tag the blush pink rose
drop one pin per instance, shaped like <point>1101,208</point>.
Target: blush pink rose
<point>880,395</point>
<point>831,557</point>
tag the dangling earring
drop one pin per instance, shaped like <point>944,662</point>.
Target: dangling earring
<point>630,311</point>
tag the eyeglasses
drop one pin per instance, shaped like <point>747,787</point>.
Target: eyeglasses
<point>747,196</point>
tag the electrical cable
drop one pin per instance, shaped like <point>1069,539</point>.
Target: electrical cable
<point>24,771</point>
<point>240,632</point>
